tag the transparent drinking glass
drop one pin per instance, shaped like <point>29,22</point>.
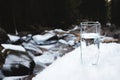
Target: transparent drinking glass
<point>90,34</point>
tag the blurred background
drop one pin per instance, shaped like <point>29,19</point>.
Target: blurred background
<point>29,15</point>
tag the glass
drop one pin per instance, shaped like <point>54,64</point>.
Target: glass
<point>90,34</point>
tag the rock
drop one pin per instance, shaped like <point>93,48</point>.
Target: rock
<point>46,47</point>
<point>63,41</point>
<point>2,57</point>
<point>17,63</point>
<point>45,59</point>
<point>2,60</point>
<point>13,47</point>
<point>71,37</point>
<point>77,34</point>
<point>59,31</point>
<point>26,38</point>
<point>116,36</point>
<point>109,40</point>
<point>34,49</point>
<point>28,77</point>
<point>60,49</point>
<point>38,68</point>
<point>47,38</point>
<point>71,42</point>
<point>13,38</point>
<point>1,75</point>
<point>3,36</point>
<point>48,42</point>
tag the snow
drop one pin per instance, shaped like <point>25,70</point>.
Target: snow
<point>71,42</point>
<point>106,38</point>
<point>63,41</point>
<point>69,67</point>
<point>47,46</point>
<point>16,59</point>
<point>14,78</point>
<point>30,46</point>
<point>45,58</point>
<point>59,30</point>
<point>43,37</point>
<point>13,47</point>
<point>13,38</point>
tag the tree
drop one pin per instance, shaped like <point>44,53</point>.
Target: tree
<point>115,12</point>
<point>93,10</point>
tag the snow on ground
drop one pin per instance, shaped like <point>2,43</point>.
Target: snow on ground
<point>69,67</point>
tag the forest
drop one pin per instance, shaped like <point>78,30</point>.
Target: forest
<point>26,15</point>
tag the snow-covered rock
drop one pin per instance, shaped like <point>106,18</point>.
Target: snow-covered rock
<point>17,63</point>
<point>26,38</point>
<point>59,30</point>
<point>70,37</point>
<point>46,58</point>
<point>63,41</point>
<point>31,47</point>
<point>108,39</point>
<point>47,46</point>
<point>13,38</point>
<point>39,39</point>
<point>13,47</point>
<point>71,42</point>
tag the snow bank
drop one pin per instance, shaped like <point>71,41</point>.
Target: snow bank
<point>69,67</point>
